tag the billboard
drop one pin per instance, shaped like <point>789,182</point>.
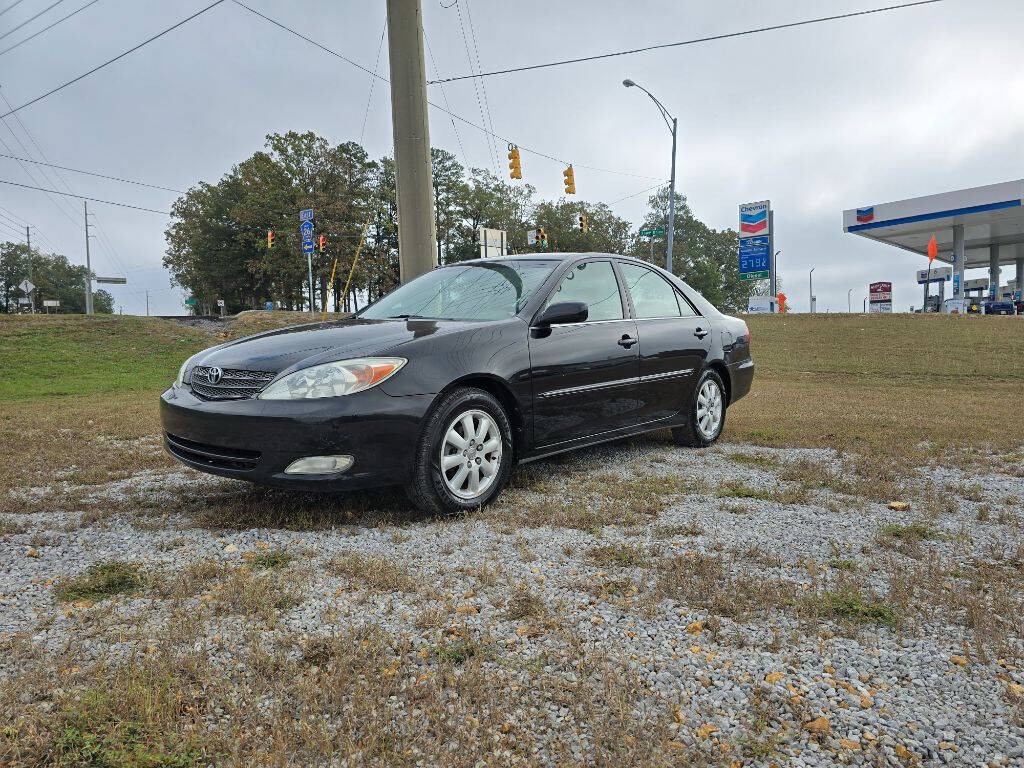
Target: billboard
<point>880,297</point>
<point>755,233</point>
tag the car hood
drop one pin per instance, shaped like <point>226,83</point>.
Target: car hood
<point>301,346</point>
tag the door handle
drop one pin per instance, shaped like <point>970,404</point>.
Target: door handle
<point>627,341</point>
<point>700,333</point>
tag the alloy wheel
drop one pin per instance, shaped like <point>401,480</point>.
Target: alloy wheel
<point>709,409</point>
<point>471,454</point>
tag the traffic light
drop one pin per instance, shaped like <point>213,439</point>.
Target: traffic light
<point>515,166</point>
<point>270,239</point>
<point>570,181</point>
<point>542,237</point>
<point>583,223</point>
<point>323,243</point>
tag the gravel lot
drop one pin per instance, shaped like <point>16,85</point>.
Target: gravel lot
<point>761,613</point>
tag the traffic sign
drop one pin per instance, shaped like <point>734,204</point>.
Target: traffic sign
<point>112,280</point>
<point>307,231</point>
<point>306,215</point>
<point>26,286</point>
<point>307,246</point>
<point>190,301</point>
<point>51,303</point>
<point>651,232</point>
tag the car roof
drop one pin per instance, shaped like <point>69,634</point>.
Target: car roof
<point>560,257</point>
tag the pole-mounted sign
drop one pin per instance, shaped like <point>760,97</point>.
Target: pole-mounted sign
<point>306,217</point>
<point>755,241</point>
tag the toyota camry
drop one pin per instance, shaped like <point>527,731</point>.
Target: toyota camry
<point>443,385</point>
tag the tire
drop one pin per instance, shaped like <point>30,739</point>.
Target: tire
<point>442,492</point>
<point>692,433</point>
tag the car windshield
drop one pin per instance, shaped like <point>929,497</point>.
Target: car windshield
<point>480,291</point>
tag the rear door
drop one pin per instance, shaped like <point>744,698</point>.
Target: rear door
<point>674,342</point>
<point>585,374</point>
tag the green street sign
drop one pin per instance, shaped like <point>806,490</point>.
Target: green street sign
<point>764,275</point>
<point>651,232</point>
<point>190,301</point>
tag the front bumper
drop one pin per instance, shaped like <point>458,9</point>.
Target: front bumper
<point>256,440</point>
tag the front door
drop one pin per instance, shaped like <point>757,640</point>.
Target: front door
<point>585,374</point>
<point>674,342</point>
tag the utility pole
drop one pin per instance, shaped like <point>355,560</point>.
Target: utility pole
<point>417,233</point>
<point>88,262</point>
<point>147,302</point>
<point>28,240</point>
<point>810,289</point>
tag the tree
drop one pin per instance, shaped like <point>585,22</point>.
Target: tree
<point>606,232</point>
<point>54,277</point>
<point>706,258</point>
<point>451,195</point>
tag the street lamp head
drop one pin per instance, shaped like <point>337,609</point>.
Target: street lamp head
<point>628,83</point>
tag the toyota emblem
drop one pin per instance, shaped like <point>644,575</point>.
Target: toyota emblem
<point>214,375</point>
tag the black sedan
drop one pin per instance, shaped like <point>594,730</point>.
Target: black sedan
<point>447,382</point>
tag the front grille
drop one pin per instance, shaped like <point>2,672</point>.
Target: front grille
<point>235,384</point>
<point>212,455</point>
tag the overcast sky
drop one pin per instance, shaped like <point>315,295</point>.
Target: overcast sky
<point>817,118</point>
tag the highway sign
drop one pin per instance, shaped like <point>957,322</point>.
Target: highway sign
<point>651,232</point>
<point>307,246</point>
<point>51,303</point>
<point>190,301</point>
<point>306,215</point>
<point>307,231</point>
<point>26,286</point>
<point>112,280</point>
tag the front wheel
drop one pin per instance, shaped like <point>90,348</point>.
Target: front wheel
<point>464,456</point>
<point>705,416</point>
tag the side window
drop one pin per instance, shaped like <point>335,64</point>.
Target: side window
<point>594,283</point>
<point>652,295</point>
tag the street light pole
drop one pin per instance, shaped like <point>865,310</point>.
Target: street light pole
<point>673,126</point>
<point>849,309</point>
<point>810,289</point>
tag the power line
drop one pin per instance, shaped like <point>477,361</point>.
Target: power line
<point>83,197</point>
<point>47,28</point>
<point>11,6</point>
<point>461,119</point>
<point>444,95</point>
<point>635,194</point>
<point>93,173</point>
<point>29,21</point>
<point>116,58</point>
<point>693,41</point>
<point>373,81</point>
<point>476,88</point>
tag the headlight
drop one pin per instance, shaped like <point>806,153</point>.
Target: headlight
<point>181,371</point>
<point>344,377</point>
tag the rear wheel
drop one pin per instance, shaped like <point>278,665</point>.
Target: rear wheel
<point>464,456</point>
<point>705,415</point>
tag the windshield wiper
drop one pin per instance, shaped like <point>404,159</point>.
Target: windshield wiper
<point>406,317</point>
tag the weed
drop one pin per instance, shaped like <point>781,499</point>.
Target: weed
<point>99,581</point>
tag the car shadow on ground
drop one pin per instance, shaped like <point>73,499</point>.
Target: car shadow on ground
<point>236,505</point>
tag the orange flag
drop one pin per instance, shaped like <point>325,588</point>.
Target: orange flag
<point>933,250</point>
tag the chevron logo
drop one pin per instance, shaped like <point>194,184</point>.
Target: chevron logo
<point>752,223</point>
<point>864,215</point>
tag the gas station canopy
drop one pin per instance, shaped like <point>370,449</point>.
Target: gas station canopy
<point>979,227</point>
<point>991,216</point>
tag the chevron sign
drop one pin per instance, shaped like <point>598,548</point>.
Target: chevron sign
<point>754,220</point>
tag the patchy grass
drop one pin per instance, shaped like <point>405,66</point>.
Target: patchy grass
<point>737,489</point>
<point>374,572</point>
<point>99,582</point>
<point>905,538</point>
<point>851,605</point>
<point>525,604</point>
<point>272,559</point>
<point>762,461</point>
<point>619,556</point>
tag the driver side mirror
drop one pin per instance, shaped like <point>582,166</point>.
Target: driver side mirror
<point>562,313</point>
